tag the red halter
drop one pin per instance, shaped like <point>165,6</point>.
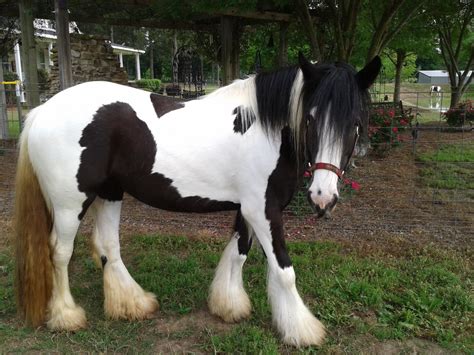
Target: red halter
<point>327,166</point>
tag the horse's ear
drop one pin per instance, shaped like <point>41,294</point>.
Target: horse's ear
<point>367,75</point>
<point>308,69</point>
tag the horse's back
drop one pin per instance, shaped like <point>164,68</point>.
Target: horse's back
<point>58,126</point>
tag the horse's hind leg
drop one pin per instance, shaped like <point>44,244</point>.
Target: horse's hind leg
<point>63,313</point>
<point>227,296</point>
<point>124,298</point>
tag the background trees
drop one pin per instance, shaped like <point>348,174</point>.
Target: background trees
<point>453,21</point>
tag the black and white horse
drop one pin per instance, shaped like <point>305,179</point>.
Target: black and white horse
<point>435,90</point>
<point>241,148</point>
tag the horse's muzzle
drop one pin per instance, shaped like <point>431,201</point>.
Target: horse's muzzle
<point>323,211</point>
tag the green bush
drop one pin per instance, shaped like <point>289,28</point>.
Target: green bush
<point>149,84</point>
<point>43,80</point>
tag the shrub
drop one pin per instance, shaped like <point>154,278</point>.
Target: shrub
<point>149,84</point>
<point>385,126</point>
<point>460,115</point>
<point>43,80</point>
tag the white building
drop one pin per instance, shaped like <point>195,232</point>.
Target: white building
<point>45,34</point>
<point>434,76</point>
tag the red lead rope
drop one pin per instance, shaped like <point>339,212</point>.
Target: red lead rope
<point>340,173</point>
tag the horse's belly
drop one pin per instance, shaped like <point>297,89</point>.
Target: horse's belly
<point>158,191</point>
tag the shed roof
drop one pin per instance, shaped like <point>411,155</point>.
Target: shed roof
<point>439,73</point>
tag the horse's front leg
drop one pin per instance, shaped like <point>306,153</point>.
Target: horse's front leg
<point>296,324</point>
<point>227,296</point>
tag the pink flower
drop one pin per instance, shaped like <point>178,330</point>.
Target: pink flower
<point>403,122</point>
<point>355,185</point>
<point>394,129</point>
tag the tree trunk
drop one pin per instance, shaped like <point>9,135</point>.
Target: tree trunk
<point>236,32</point>
<point>401,55</point>
<point>175,51</point>
<point>455,96</point>
<point>283,45</point>
<point>226,40</point>
<point>230,38</point>
<point>152,62</point>
<point>307,22</point>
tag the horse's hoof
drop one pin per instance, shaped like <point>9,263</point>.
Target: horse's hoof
<point>231,308</point>
<point>307,331</point>
<point>67,318</point>
<point>131,307</point>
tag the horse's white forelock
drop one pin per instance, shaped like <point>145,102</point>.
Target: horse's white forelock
<point>296,109</point>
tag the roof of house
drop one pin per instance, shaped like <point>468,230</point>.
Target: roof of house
<point>438,73</point>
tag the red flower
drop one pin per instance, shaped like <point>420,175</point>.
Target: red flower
<point>355,185</point>
<point>394,129</point>
<point>391,113</point>
<point>403,122</point>
<point>387,122</point>
<point>307,174</point>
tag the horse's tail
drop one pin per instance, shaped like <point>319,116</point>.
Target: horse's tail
<point>33,225</point>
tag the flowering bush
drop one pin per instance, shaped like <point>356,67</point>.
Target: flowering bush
<point>385,126</point>
<point>460,115</point>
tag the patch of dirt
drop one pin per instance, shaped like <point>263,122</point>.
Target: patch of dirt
<point>410,346</point>
<point>181,335</point>
<point>391,214</point>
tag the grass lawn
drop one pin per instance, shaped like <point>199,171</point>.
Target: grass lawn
<point>361,299</point>
<point>449,167</point>
<point>13,121</point>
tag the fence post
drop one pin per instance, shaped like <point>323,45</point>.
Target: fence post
<point>3,108</point>
<point>29,52</point>
<point>63,44</point>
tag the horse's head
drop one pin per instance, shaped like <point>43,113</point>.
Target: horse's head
<point>335,99</point>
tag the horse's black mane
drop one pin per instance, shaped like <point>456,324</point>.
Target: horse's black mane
<point>331,85</point>
<point>273,90</point>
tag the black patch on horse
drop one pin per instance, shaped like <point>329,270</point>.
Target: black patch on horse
<point>281,186</point>
<point>118,157</point>
<point>244,119</point>
<point>245,241</point>
<point>164,104</point>
<point>103,260</point>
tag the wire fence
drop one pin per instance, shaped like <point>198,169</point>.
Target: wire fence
<point>419,184</point>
